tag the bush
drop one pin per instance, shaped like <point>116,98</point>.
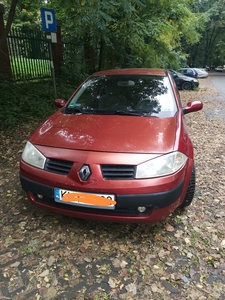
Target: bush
<point>33,101</point>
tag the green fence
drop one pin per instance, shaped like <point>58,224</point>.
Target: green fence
<point>29,54</point>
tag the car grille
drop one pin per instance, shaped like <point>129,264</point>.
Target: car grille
<point>118,172</point>
<point>58,166</point>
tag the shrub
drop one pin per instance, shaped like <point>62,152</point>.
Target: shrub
<point>33,101</point>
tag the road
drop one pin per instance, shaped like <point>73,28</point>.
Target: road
<point>217,81</point>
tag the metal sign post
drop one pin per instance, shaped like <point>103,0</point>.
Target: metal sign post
<point>49,26</point>
<point>49,37</point>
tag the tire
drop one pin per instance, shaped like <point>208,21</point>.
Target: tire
<point>186,86</point>
<point>190,191</point>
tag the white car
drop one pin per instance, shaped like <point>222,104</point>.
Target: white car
<point>201,73</point>
<point>219,69</point>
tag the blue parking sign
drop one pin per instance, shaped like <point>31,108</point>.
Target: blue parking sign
<point>48,20</point>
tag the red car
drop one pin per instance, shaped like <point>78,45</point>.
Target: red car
<point>118,150</point>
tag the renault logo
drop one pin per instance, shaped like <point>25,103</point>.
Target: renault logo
<point>85,172</point>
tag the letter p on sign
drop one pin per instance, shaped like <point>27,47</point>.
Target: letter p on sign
<point>48,20</point>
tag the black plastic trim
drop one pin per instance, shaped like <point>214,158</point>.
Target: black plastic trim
<point>154,200</point>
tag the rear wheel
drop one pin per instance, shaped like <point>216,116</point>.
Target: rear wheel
<point>190,191</point>
<point>186,86</point>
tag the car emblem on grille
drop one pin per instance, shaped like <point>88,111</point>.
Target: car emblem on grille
<point>85,172</point>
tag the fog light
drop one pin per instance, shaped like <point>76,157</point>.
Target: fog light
<point>40,196</point>
<point>141,209</point>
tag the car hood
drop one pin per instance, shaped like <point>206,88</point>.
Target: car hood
<point>108,133</point>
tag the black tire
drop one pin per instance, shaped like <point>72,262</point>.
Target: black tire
<point>186,86</point>
<point>190,191</point>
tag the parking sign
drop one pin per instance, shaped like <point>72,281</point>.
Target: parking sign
<point>48,20</point>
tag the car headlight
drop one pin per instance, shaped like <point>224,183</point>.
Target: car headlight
<point>161,166</point>
<point>195,80</point>
<point>32,156</point>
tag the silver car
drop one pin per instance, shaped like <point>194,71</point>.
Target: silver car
<point>201,73</point>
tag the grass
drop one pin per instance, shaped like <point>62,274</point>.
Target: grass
<point>27,68</point>
<point>32,101</point>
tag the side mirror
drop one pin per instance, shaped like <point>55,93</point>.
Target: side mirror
<point>192,107</point>
<point>59,103</point>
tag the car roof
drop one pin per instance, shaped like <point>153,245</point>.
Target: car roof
<point>186,68</point>
<point>132,71</point>
<point>200,69</point>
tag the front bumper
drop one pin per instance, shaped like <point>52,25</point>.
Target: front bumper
<point>159,205</point>
<point>195,84</point>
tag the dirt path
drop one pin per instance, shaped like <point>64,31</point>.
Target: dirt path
<point>45,256</point>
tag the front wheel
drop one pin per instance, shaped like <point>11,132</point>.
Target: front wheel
<point>186,86</point>
<point>190,191</point>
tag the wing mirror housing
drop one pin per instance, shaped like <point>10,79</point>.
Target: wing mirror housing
<point>59,103</point>
<point>192,107</point>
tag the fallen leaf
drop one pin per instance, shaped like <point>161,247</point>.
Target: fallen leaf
<point>154,288</point>
<point>51,260</point>
<point>43,274</point>
<point>132,288</point>
<point>119,263</point>
<point>223,243</point>
<point>169,227</point>
<point>111,283</point>
<point>116,262</point>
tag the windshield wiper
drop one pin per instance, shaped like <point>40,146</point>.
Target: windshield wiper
<point>133,113</point>
<point>83,110</point>
<point>127,112</point>
<point>89,110</point>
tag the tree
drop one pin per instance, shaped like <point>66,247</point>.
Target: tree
<point>9,23</point>
<point>126,33</point>
<point>100,34</point>
<point>209,49</point>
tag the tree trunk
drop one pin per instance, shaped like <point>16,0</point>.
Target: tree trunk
<point>9,23</point>
<point>101,51</point>
<point>89,55</point>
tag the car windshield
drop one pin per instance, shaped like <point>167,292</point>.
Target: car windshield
<point>137,95</point>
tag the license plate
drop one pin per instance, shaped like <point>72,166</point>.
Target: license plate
<point>103,201</point>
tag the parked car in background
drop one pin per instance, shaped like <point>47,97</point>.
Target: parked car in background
<point>118,150</point>
<point>201,73</point>
<point>184,82</point>
<point>190,72</point>
<point>207,68</point>
<point>219,69</point>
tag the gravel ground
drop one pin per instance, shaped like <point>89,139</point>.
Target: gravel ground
<point>46,256</point>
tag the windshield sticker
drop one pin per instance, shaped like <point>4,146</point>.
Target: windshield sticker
<point>74,105</point>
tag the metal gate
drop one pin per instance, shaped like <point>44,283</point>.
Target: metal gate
<point>29,54</point>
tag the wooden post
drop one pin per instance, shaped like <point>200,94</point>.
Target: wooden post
<point>57,51</point>
<point>5,68</point>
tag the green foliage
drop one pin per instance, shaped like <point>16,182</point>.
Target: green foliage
<point>209,49</point>
<point>23,102</point>
<point>73,68</point>
<point>27,13</point>
<point>113,34</point>
<point>137,33</point>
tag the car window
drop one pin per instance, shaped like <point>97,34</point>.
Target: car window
<point>189,71</point>
<point>129,94</point>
